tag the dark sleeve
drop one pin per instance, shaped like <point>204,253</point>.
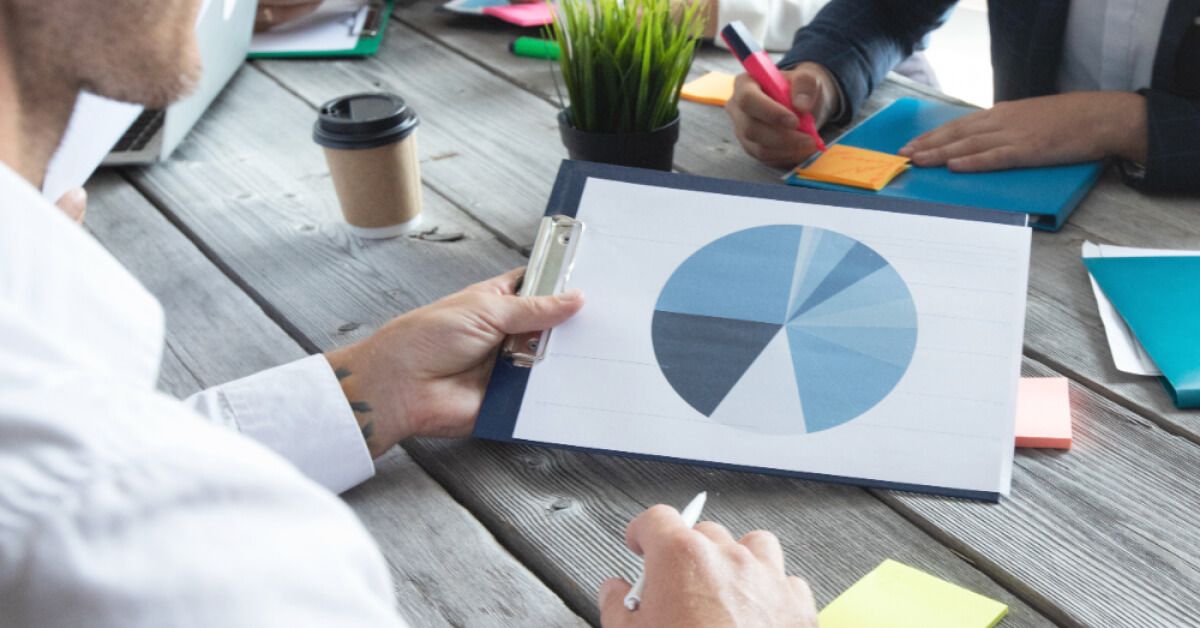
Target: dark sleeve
<point>1173,145</point>
<point>860,41</point>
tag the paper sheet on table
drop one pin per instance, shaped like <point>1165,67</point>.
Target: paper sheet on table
<point>714,88</point>
<point>895,595</point>
<point>96,125</point>
<point>857,167</point>
<point>329,29</point>
<point>527,14</point>
<point>1128,354</point>
<point>783,350</point>
<point>1044,413</point>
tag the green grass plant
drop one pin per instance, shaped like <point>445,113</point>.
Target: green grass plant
<point>623,61</point>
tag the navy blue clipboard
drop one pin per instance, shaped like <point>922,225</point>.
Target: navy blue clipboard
<point>506,389</point>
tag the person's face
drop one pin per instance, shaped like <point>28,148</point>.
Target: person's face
<point>139,51</point>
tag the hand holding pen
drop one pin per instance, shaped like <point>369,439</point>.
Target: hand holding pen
<point>702,577</point>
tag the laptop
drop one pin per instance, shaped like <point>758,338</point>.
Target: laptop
<point>223,29</point>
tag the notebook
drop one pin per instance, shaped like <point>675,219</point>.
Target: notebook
<point>1048,195</point>
<point>1156,297</point>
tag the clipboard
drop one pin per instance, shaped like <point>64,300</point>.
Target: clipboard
<point>369,40</point>
<point>552,263</point>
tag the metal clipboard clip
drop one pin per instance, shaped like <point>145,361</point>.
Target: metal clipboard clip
<point>550,264</point>
<point>374,20</point>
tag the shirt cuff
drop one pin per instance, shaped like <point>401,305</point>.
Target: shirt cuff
<point>299,411</point>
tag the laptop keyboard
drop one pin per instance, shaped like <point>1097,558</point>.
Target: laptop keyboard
<point>141,131</point>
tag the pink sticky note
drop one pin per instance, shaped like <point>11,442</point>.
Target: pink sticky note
<point>1044,413</point>
<point>529,14</point>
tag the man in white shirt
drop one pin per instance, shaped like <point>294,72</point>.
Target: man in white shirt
<point>120,506</point>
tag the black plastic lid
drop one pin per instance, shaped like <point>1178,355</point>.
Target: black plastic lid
<point>364,121</point>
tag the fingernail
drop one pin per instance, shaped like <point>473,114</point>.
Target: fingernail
<point>907,150</point>
<point>803,102</point>
<point>571,297</point>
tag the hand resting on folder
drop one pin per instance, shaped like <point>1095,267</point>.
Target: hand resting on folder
<point>1044,131</point>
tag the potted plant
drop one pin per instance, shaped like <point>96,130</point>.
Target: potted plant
<point>623,62</point>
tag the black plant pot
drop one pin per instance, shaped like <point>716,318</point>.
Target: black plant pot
<point>655,149</point>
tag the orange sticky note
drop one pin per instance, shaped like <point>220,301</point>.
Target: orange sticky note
<point>1044,413</point>
<point>714,88</point>
<point>856,167</point>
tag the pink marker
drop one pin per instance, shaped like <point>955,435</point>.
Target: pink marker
<point>758,65</point>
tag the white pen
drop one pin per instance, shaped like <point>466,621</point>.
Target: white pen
<point>690,515</point>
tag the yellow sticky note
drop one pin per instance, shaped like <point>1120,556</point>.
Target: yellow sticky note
<point>895,595</point>
<point>714,88</point>
<point>856,167</point>
<point>1044,413</point>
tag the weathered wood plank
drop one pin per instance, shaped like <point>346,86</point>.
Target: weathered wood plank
<point>491,149</point>
<point>315,281</point>
<point>1106,530</point>
<point>448,570</point>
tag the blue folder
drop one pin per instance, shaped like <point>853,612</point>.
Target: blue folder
<point>506,389</point>
<point>1048,195</point>
<point>1159,300</point>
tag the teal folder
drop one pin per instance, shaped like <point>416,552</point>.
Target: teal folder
<point>1159,299</point>
<point>1048,195</point>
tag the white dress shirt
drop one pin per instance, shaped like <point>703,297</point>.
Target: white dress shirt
<point>772,22</point>
<point>120,506</point>
<point>1109,45</point>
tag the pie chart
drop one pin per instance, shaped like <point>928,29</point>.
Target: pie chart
<point>784,329</point>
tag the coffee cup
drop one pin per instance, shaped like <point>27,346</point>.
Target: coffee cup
<point>370,145</point>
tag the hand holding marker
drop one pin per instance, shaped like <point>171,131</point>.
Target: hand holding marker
<point>758,65</point>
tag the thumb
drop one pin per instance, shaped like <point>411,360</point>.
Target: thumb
<point>612,602</point>
<point>517,315</point>
<point>806,92</point>
<point>74,204</point>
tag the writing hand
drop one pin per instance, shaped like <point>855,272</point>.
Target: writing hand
<point>424,373</point>
<point>1043,131</point>
<point>767,129</point>
<point>703,578</point>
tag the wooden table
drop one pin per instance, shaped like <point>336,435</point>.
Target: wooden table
<point>239,236</point>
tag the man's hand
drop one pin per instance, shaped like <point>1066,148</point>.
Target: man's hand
<point>1044,131</point>
<point>73,203</point>
<point>272,13</point>
<point>424,373</point>
<point>703,578</point>
<point>767,129</point>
